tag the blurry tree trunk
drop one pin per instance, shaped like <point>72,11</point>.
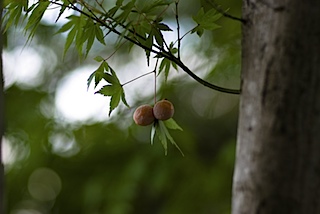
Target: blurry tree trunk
<point>2,210</point>
<point>278,150</point>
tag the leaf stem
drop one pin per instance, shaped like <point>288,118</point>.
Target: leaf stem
<point>155,81</point>
<point>134,79</point>
<point>115,50</point>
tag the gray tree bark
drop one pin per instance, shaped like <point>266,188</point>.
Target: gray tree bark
<point>278,149</point>
<point>2,210</point>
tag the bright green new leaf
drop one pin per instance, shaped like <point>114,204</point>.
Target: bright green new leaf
<point>172,124</point>
<point>160,131</point>
<point>109,78</point>
<point>114,75</point>
<point>108,90</point>
<point>100,74</point>
<point>115,100</point>
<point>164,129</point>
<point>115,92</point>
<point>123,99</point>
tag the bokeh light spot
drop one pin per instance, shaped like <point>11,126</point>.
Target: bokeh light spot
<point>44,184</point>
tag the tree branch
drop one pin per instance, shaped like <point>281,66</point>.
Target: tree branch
<point>161,52</point>
<point>178,28</point>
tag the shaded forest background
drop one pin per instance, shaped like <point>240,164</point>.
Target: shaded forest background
<point>54,165</point>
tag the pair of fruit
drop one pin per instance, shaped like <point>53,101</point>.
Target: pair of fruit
<point>145,115</point>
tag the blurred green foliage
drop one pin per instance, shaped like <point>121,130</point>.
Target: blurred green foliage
<point>107,167</point>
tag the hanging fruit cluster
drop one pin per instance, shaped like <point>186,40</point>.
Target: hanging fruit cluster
<point>145,115</point>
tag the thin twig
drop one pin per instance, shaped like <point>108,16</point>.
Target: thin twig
<point>115,50</point>
<point>134,79</point>
<point>224,13</point>
<point>178,28</point>
<point>183,36</point>
<point>155,81</point>
<point>160,53</point>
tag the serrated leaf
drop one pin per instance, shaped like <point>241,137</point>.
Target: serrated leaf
<point>159,37</point>
<point>116,93</point>
<point>99,74</point>
<point>114,75</point>
<point>110,79</point>
<point>172,124</point>
<point>108,90</point>
<point>123,98</point>
<point>89,35</point>
<point>106,66</point>
<point>67,26</point>
<point>14,13</point>
<point>115,100</point>
<point>153,133</point>
<point>126,11</point>
<point>90,80</point>
<point>174,65</point>
<point>35,17</point>
<point>167,135</point>
<point>148,43</point>
<point>165,65</point>
<point>99,34</point>
<point>206,21</point>
<point>69,40</point>
<point>66,3</point>
<point>160,131</point>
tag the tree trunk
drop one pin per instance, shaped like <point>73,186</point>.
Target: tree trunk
<point>278,150</point>
<point>2,210</point>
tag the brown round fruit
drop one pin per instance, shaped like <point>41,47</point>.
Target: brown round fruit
<point>143,115</point>
<point>163,110</point>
